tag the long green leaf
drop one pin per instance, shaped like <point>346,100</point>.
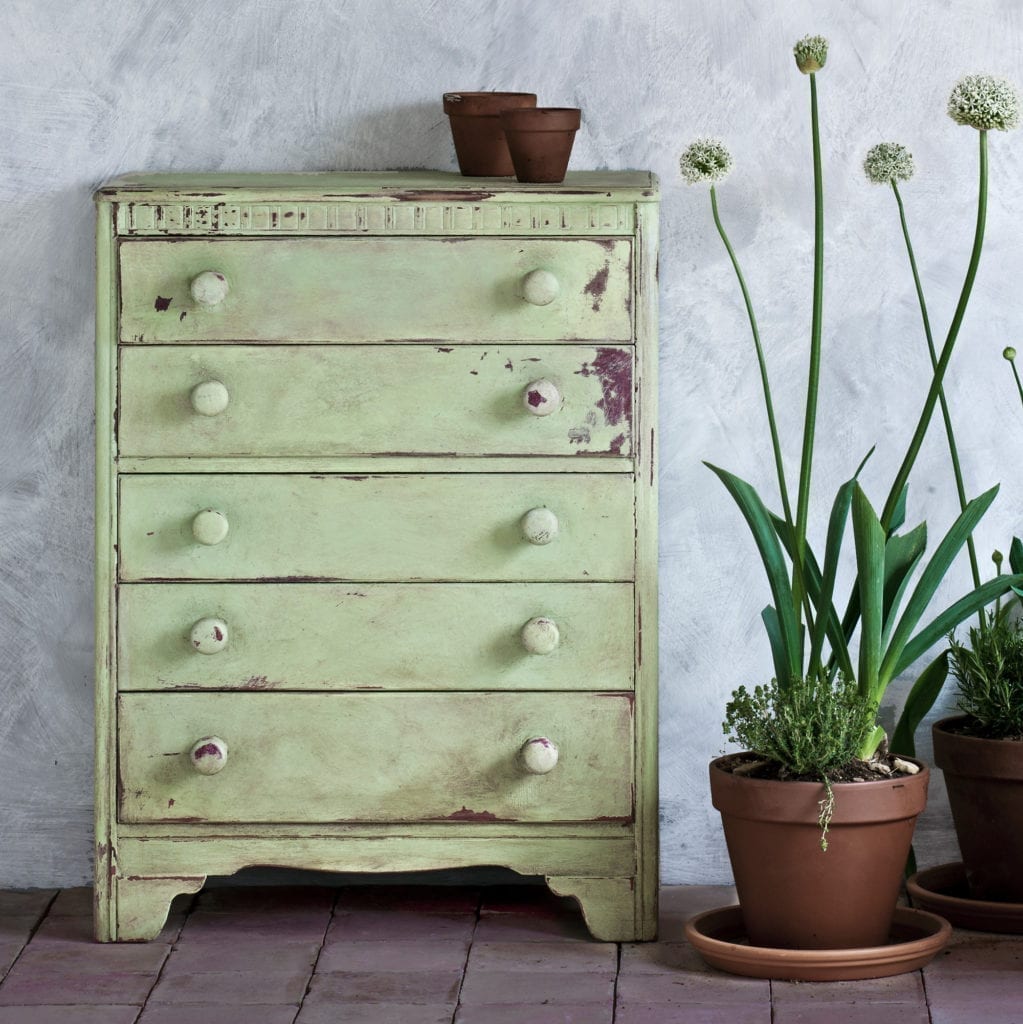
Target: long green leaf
<point>814,584</point>
<point>920,700</point>
<point>950,546</point>
<point>1016,555</point>
<point>832,550</point>
<point>952,617</point>
<point>902,552</point>
<point>774,635</point>
<point>899,515</point>
<point>870,546</point>
<point>759,520</point>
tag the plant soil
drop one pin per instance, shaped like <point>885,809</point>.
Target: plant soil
<point>967,726</point>
<point>755,767</point>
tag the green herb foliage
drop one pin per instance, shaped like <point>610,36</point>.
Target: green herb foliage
<point>989,673</point>
<point>813,726</point>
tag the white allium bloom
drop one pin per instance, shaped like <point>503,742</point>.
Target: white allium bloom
<point>887,162</point>
<point>705,160</point>
<point>984,102</point>
<point>811,53</point>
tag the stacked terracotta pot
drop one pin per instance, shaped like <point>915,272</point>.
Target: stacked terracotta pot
<point>498,134</point>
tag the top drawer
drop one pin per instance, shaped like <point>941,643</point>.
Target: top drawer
<point>376,290</point>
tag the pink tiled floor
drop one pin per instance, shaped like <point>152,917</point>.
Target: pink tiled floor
<point>386,955</point>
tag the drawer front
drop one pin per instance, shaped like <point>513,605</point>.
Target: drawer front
<point>375,636</point>
<point>377,289</point>
<point>404,399</point>
<point>402,527</point>
<point>375,757</point>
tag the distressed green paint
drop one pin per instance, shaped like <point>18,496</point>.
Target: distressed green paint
<point>321,400</point>
<point>322,636</point>
<point>645,884</point>
<point>375,290</point>
<point>421,514</point>
<point>442,526</point>
<point>375,757</point>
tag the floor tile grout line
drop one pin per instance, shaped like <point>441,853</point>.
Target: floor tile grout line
<point>614,991</point>
<point>319,953</point>
<point>927,998</point>
<point>31,935</point>
<point>166,960</point>
<point>468,953</point>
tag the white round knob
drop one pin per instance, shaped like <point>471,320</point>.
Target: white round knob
<point>208,755</point>
<point>540,635</point>
<point>539,756</point>
<point>542,397</point>
<point>539,526</point>
<point>209,526</point>
<point>540,288</point>
<point>209,288</point>
<point>209,636</point>
<point>210,398</point>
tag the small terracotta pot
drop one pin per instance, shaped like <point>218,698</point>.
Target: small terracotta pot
<point>984,779</point>
<point>793,894</point>
<point>540,141</point>
<point>476,129</point>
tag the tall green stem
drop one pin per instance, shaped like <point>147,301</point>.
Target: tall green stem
<point>953,448</point>
<point>810,423</point>
<point>946,353</point>
<point>768,401</point>
<point>1019,383</point>
<point>761,361</point>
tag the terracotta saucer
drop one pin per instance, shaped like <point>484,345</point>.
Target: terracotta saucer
<point>943,890</point>
<point>719,937</point>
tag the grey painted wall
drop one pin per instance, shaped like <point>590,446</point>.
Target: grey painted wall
<point>92,89</point>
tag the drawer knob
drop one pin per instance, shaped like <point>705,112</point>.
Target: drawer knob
<point>539,756</point>
<point>540,288</point>
<point>539,526</point>
<point>542,397</point>
<point>209,288</point>
<point>209,526</point>
<point>209,636</point>
<point>208,755</point>
<point>540,635</point>
<point>210,398</point>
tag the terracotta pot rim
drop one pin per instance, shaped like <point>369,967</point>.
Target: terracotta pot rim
<point>1000,761</point>
<point>541,119</point>
<point>486,104</point>
<point>797,802</point>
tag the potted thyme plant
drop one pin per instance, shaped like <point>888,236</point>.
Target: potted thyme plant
<point>818,814</point>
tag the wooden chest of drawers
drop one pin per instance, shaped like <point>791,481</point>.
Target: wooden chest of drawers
<point>376,534</point>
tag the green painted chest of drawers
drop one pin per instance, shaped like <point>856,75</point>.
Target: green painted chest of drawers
<point>376,534</point>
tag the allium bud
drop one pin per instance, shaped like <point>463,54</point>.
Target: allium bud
<point>811,54</point>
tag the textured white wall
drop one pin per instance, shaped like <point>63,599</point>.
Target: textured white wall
<point>92,89</point>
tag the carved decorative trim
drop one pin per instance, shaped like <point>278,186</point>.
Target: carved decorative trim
<point>382,218</point>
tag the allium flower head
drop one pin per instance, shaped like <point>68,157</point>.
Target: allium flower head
<point>811,53</point>
<point>984,102</point>
<point>887,162</point>
<point>705,160</point>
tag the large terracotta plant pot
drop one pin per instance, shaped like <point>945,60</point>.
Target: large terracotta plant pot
<point>480,144</point>
<point>984,779</point>
<point>794,895</point>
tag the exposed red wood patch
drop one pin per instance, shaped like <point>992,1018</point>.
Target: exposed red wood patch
<point>613,368</point>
